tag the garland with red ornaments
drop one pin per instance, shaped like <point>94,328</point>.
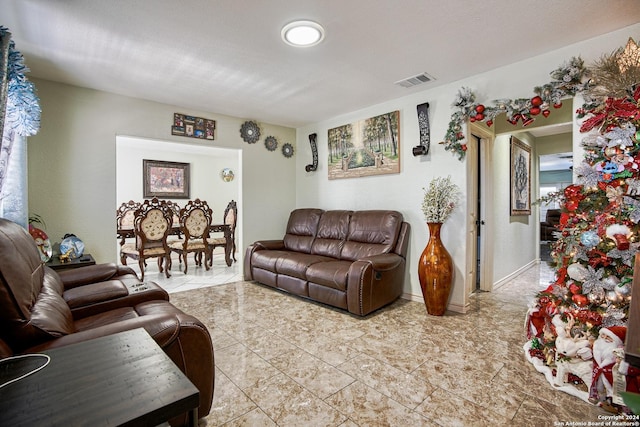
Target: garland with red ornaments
<point>567,81</point>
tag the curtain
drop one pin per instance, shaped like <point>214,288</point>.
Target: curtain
<point>19,118</point>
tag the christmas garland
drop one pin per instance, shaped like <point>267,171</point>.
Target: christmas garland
<point>568,80</point>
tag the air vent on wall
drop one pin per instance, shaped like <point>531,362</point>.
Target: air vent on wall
<point>415,80</point>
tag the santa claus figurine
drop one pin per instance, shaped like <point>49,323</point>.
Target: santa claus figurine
<point>604,358</point>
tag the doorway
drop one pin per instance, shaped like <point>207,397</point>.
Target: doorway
<point>206,167</point>
<point>480,196</point>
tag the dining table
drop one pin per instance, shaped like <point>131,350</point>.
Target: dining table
<point>126,233</point>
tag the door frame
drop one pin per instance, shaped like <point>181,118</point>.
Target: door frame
<point>487,138</point>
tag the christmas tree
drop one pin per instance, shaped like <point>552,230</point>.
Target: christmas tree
<point>598,237</point>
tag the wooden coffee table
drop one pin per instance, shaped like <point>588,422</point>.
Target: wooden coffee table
<point>123,379</point>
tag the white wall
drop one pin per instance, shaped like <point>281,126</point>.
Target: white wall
<point>205,166</point>
<point>72,164</point>
<point>514,237</point>
<point>403,191</point>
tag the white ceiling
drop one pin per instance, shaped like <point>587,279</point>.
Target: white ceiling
<point>226,56</point>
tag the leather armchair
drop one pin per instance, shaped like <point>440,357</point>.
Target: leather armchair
<point>36,311</point>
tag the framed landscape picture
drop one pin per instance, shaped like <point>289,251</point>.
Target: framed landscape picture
<point>520,182</point>
<point>165,179</point>
<point>364,148</point>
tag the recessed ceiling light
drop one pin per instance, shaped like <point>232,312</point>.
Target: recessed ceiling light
<point>302,33</point>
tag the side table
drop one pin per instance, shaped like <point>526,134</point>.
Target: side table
<point>123,379</point>
<point>83,261</point>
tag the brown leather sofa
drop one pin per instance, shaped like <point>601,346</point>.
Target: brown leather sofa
<point>549,225</point>
<point>354,260</point>
<point>41,309</point>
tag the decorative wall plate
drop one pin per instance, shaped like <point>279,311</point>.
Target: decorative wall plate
<point>271,143</point>
<point>250,132</point>
<point>287,150</point>
<point>227,175</point>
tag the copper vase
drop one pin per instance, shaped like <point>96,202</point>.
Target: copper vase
<point>435,271</point>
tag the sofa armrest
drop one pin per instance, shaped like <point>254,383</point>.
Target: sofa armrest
<point>258,246</point>
<point>93,273</point>
<point>374,282</point>
<point>383,262</point>
<point>269,244</point>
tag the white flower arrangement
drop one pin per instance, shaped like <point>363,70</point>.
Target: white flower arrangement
<point>440,199</point>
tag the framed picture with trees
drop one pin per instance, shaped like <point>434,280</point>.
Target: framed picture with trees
<point>366,147</point>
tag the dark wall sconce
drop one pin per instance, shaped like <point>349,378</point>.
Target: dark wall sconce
<point>425,132</point>
<point>314,152</point>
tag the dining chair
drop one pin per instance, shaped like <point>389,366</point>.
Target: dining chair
<point>195,220</point>
<point>125,215</point>
<point>230,219</point>
<point>175,209</point>
<point>152,224</point>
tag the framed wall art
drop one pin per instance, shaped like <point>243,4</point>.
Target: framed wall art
<point>520,182</point>
<point>193,127</point>
<point>367,147</point>
<point>165,179</point>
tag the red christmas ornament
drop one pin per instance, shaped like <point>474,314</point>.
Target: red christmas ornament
<point>558,105</point>
<point>480,108</point>
<point>536,101</point>
<point>571,205</point>
<point>535,111</point>
<point>573,192</point>
<point>622,242</point>
<point>574,289</point>
<point>580,300</point>
<point>479,117</point>
<point>546,113</point>
<point>489,123</point>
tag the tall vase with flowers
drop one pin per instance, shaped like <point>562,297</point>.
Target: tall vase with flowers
<point>435,268</point>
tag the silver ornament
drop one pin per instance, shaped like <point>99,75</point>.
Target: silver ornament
<point>595,297</point>
<point>613,297</point>
<point>623,290</point>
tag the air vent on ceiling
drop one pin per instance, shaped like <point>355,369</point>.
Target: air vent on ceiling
<point>415,80</point>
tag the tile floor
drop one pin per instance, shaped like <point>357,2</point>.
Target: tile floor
<point>196,277</point>
<point>284,361</point>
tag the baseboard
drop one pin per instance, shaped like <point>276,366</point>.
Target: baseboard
<point>519,271</point>
<point>457,308</point>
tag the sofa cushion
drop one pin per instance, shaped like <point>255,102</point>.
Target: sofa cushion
<point>371,233</point>
<point>296,264</point>
<point>301,229</point>
<point>333,274</point>
<point>266,259</point>
<point>332,233</point>
<point>51,313</point>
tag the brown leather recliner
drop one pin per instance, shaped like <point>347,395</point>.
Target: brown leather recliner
<point>41,309</point>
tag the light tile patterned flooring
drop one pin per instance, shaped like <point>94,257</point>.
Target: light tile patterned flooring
<point>285,361</point>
